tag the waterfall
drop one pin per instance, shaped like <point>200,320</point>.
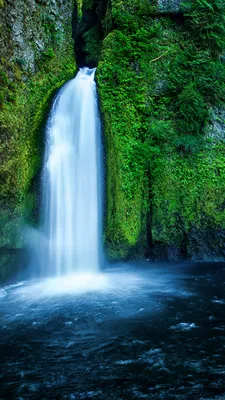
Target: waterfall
<point>72,179</point>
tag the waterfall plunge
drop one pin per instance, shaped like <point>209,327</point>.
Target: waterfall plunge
<point>71,180</point>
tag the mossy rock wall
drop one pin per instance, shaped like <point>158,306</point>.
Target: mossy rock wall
<point>161,83</point>
<point>161,77</point>
<point>36,59</point>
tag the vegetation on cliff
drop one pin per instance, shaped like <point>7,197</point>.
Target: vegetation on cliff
<point>161,82</point>
<point>36,59</point>
<point>161,87</point>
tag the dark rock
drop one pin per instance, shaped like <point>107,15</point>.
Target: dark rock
<point>169,6</point>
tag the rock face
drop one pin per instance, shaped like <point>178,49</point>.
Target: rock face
<point>216,128</point>
<point>37,57</point>
<point>161,91</point>
<point>161,87</point>
<point>31,27</point>
<point>169,6</point>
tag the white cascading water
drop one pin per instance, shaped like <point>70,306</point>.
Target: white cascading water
<point>71,180</point>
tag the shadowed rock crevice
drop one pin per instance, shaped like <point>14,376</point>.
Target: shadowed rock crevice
<point>89,26</point>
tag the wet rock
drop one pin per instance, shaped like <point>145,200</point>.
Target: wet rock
<point>215,131</point>
<point>36,36</point>
<point>208,245</point>
<point>32,26</point>
<point>12,261</point>
<point>169,6</point>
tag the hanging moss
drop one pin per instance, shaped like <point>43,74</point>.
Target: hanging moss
<point>158,82</point>
<point>27,89</point>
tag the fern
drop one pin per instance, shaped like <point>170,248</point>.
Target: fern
<point>206,20</point>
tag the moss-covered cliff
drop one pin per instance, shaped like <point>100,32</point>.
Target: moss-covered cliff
<point>37,57</point>
<point>161,77</point>
<point>161,82</point>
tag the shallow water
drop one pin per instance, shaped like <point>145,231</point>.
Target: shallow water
<point>132,332</point>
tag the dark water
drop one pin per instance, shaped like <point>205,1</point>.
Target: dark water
<point>149,332</point>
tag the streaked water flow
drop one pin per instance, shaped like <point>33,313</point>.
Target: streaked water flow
<point>71,179</point>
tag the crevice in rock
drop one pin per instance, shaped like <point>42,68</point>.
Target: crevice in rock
<point>88,32</point>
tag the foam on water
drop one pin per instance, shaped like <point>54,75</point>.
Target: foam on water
<point>66,285</point>
<point>123,283</point>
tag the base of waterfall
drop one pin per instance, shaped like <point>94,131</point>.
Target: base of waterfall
<point>122,280</point>
<point>111,280</point>
<point>148,331</point>
<point>69,284</point>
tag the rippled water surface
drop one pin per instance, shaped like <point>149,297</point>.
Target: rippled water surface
<point>132,332</point>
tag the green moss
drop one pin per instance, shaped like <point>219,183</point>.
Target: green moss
<point>156,86</point>
<point>30,75</point>
<point>158,78</point>
<point>90,28</point>
<point>87,4</point>
<point>21,145</point>
<point>92,46</point>
<point>206,22</point>
<point>185,191</point>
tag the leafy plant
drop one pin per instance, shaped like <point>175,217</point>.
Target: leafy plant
<point>206,19</point>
